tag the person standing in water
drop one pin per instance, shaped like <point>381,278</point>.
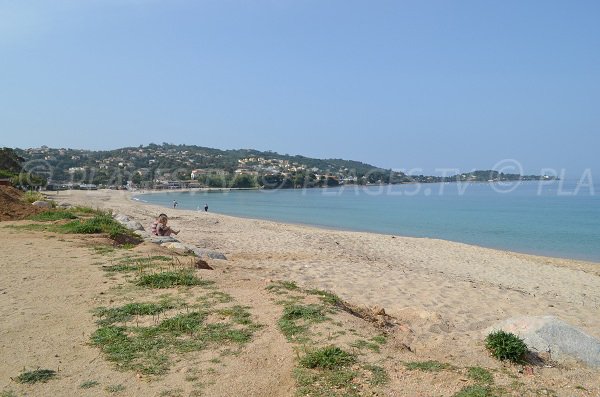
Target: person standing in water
<point>206,207</point>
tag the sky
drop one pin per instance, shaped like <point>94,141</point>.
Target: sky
<point>398,84</point>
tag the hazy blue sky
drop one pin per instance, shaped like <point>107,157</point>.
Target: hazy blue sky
<point>394,83</point>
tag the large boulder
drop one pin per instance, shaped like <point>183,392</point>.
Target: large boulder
<point>548,334</point>
<point>129,223</point>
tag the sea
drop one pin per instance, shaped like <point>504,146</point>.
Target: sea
<point>553,218</point>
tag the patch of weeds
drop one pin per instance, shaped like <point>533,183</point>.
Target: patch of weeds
<point>326,296</point>
<point>101,223</point>
<point>506,346</point>
<point>48,216</point>
<point>103,249</point>
<point>114,388</point>
<point>326,383</point>
<point>220,297</point>
<point>281,287</point>
<point>39,375</point>
<point>187,323</point>
<point>171,279</point>
<point>146,260</point>
<point>31,196</point>
<point>379,375</point>
<point>363,344</point>
<point>125,313</point>
<point>7,393</point>
<point>171,393</point>
<point>427,366</point>
<point>88,384</point>
<point>380,339</point>
<point>330,357</point>
<point>147,348</point>
<point>481,375</point>
<point>296,318</point>
<point>475,391</point>
<point>238,314</point>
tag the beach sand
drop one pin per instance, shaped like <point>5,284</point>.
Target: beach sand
<point>446,293</point>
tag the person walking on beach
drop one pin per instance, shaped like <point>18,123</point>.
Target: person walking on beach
<point>160,228</point>
<point>206,207</point>
<point>175,204</point>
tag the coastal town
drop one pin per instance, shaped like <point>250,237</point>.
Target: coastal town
<point>169,166</point>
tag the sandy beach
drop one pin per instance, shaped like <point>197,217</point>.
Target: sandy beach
<point>446,293</point>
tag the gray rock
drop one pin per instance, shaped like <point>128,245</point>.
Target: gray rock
<point>200,253</point>
<point>549,334</point>
<point>128,222</point>
<point>176,246</point>
<point>42,204</point>
<point>121,218</point>
<point>133,225</point>
<point>162,239</point>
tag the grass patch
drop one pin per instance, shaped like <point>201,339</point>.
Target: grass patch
<point>326,383</point>
<point>475,391</point>
<point>114,388</point>
<point>282,287</point>
<point>218,296</point>
<point>296,318</point>
<point>379,376</point>
<point>48,216</point>
<point>238,314</point>
<point>326,297</point>
<point>171,279</point>
<point>39,375</point>
<point>363,344</point>
<point>380,339</point>
<point>125,313</point>
<point>103,249</point>
<point>88,384</point>
<point>330,357</point>
<point>147,349</point>
<point>481,375</point>
<point>427,366</point>
<point>506,346</point>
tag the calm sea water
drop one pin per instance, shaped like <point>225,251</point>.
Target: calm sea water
<point>557,218</point>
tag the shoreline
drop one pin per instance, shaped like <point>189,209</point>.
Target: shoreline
<point>133,197</point>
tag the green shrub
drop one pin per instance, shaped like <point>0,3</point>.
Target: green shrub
<point>32,196</point>
<point>506,346</point>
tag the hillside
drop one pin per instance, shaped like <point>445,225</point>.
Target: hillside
<point>173,166</point>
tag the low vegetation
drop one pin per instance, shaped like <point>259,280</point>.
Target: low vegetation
<point>38,375</point>
<point>427,366</point>
<point>326,369</point>
<point>83,220</point>
<point>506,346</point>
<point>330,357</point>
<point>170,279</point>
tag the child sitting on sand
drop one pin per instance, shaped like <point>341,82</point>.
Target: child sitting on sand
<point>160,228</point>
